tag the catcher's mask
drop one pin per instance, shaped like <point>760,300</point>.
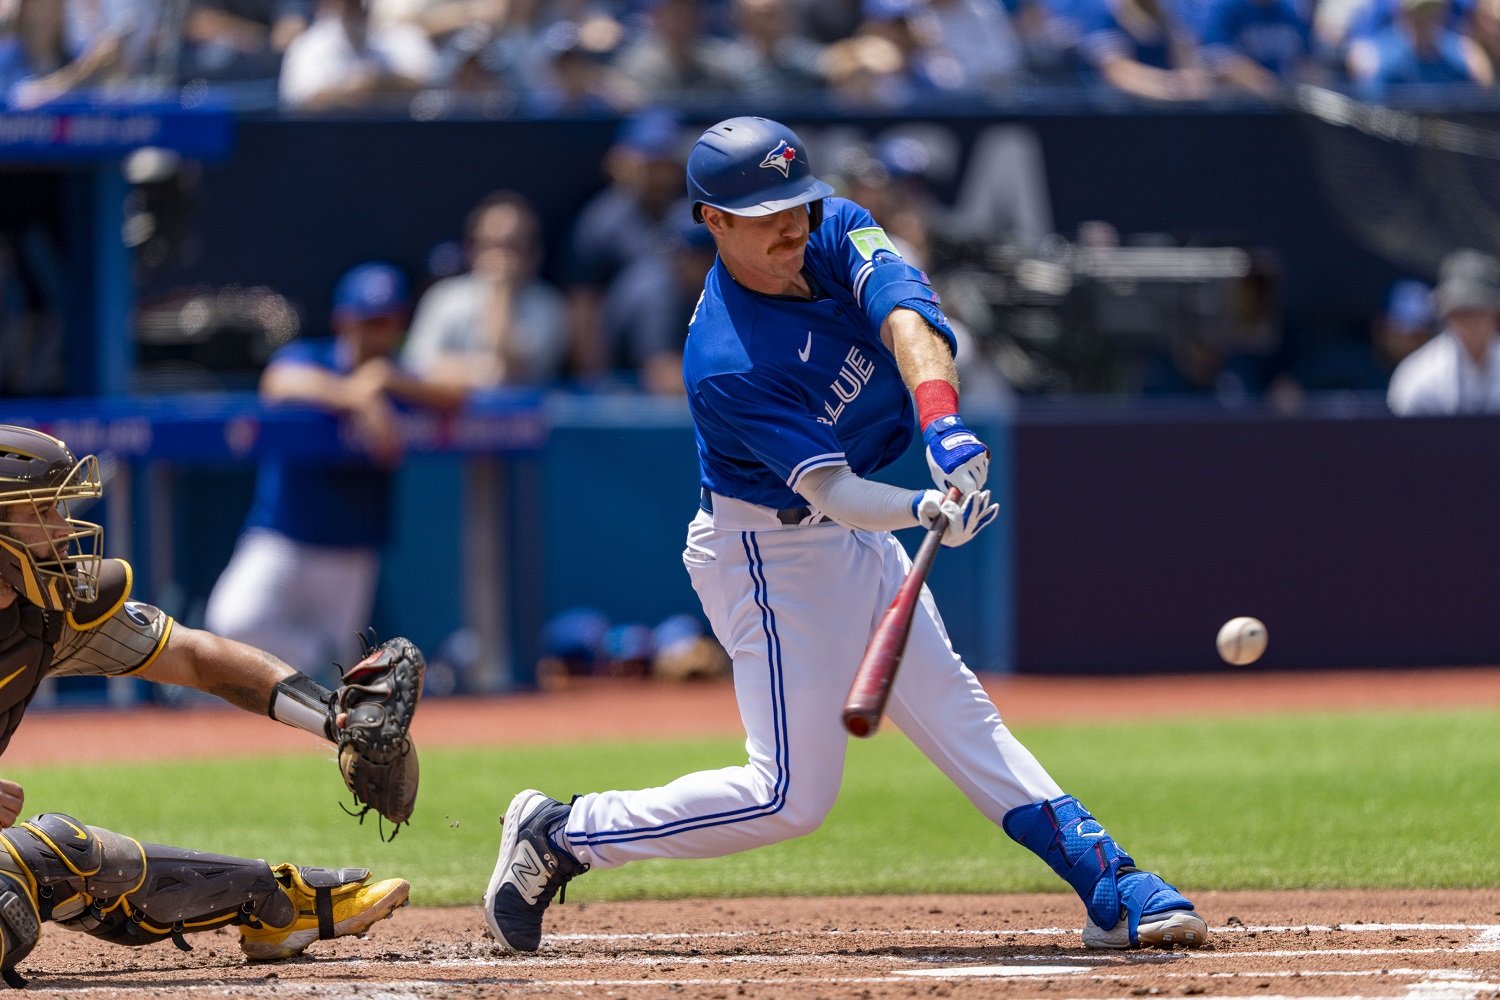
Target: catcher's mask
<point>753,167</point>
<point>50,557</point>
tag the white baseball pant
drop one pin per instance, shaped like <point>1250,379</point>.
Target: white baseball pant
<point>795,606</point>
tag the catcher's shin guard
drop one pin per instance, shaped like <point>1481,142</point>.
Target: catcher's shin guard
<point>121,890</point>
<point>1063,833</point>
<point>20,926</point>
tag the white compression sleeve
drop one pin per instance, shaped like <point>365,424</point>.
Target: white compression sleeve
<point>859,503</point>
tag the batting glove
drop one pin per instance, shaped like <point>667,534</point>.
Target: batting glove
<point>955,456</point>
<point>966,517</point>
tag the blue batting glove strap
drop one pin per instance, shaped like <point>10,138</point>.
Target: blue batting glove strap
<point>955,455</point>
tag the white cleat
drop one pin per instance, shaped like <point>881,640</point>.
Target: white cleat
<point>1168,929</point>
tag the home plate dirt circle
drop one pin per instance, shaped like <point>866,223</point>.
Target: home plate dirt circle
<point>1419,944</point>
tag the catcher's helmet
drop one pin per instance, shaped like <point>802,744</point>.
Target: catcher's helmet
<point>47,566</point>
<point>752,166</point>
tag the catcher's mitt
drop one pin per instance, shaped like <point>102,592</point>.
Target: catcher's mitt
<point>377,701</point>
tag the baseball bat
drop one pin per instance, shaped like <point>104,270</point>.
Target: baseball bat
<point>877,668</point>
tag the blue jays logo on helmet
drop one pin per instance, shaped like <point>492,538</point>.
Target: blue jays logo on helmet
<point>780,158</point>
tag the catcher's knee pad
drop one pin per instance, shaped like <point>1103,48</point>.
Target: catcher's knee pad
<point>119,889</point>
<point>1062,833</point>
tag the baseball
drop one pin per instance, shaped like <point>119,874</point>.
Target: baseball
<point>1242,640</point>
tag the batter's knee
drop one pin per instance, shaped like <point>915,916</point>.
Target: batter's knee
<point>799,815</point>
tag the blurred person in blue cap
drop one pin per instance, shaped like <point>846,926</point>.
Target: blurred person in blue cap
<point>572,644</point>
<point>637,214</point>
<point>1405,321</point>
<point>1409,321</point>
<point>684,651</point>
<point>301,582</point>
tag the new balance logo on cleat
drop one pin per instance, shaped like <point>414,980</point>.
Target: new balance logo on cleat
<point>527,874</point>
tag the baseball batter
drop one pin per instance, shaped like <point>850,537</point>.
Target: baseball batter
<point>813,352</point>
<point>64,609</point>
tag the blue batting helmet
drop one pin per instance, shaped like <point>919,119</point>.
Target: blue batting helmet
<point>752,166</point>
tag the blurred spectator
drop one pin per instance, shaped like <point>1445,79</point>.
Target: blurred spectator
<point>499,324</point>
<point>1049,32</point>
<point>1369,18</point>
<point>31,41</point>
<point>576,77</point>
<point>1407,322</point>
<point>1404,323</point>
<point>1257,45</point>
<point>302,578</point>
<point>648,305</point>
<point>827,21</point>
<point>1192,365</point>
<point>438,19</point>
<point>1417,48</point>
<point>32,299</point>
<point>638,214</point>
<point>1458,371</point>
<point>866,71</point>
<point>106,44</point>
<point>887,179</point>
<point>239,39</point>
<point>1136,47</point>
<point>769,55</point>
<point>973,42</point>
<point>344,61</point>
<point>923,66</point>
<point>672,56</point>
<point>1484,27</point>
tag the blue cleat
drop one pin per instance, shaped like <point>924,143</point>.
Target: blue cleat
<point>1152,913</point>
<point>529,871</point>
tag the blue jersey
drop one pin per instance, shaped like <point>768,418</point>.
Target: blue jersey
<point>1105,37</point>
<point>1272,32</point>
<point>343,504</point>
<point>780,386</point>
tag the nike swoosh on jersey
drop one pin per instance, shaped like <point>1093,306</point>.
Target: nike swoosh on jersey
<point>806,351</point>
<point>14,674</point>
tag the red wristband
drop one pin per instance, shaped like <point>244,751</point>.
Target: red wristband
<point>936,399</point>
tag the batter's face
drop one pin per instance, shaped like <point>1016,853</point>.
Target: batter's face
<point>764,253</point>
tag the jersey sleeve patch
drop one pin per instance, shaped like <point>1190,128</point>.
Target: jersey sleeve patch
<point>869,239</point>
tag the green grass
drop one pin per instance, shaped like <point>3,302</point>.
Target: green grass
<point>1376,800</point>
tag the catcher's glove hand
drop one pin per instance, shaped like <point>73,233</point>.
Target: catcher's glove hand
<point>373,709</point>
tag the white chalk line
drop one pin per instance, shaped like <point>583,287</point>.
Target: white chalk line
<point>1490,932</point>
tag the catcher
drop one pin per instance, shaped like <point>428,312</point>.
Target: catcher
<point>64,609</point>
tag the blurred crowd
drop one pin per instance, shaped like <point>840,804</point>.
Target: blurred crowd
<point>554,57</point>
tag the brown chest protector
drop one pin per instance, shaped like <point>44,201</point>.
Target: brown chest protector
<point>27,637</point>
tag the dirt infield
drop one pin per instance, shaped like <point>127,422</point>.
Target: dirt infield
<point>1438,944</point>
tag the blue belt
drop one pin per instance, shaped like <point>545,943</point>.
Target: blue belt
<point>787,515</point>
